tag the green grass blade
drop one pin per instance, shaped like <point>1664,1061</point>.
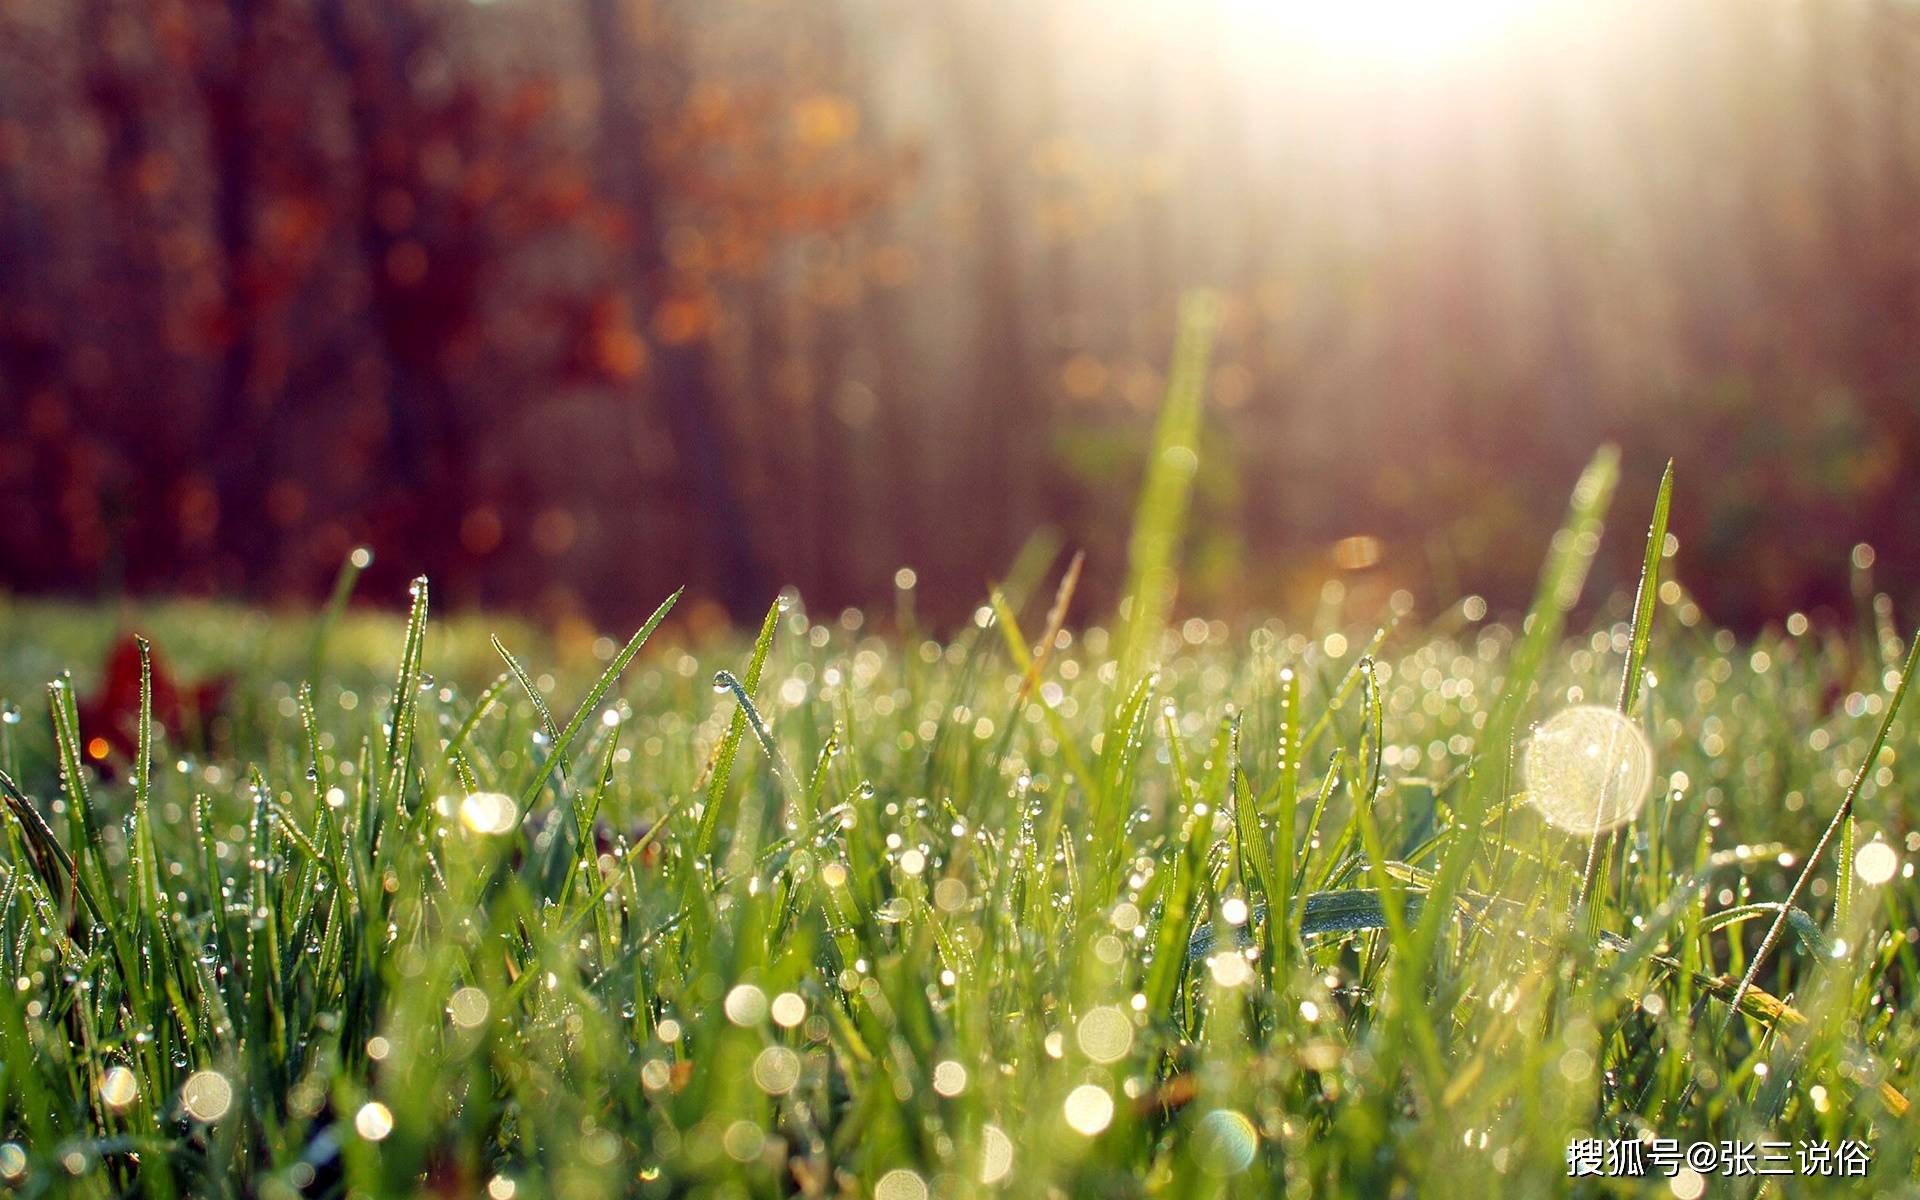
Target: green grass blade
<point>1160,519</point>
<point>563,743</point>
<point>736,729</point>
<point>1645,595</point>
<point>1561,580</point>
<point>356,562</point>
<point>406,699</point>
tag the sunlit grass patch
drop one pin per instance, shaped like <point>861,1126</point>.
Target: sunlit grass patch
<point>842,911</point>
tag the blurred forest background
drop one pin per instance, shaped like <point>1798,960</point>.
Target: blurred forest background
<point>567,302</point>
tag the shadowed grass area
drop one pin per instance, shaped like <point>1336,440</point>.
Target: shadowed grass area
<point>846,911</point>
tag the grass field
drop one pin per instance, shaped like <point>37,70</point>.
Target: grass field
<point>1165,908</point>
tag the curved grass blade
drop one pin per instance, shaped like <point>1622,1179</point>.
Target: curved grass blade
<point>564,740</point>
<point>736,729</point>
<point>761,734</point>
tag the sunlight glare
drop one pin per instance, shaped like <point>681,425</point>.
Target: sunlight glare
<point>1385,32</point>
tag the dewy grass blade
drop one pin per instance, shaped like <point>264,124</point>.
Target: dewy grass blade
<point>1255,861</point>
<point>736,729</point>
<point>406,700</point>
<point>761,734</point>
<point>157,930</point>
<point>49,859</point>
<point>482,706</point>
<point>548,726</point>
<point>1632,672</point>
<point>1286,819</point>
<point>90,876</point>
<point>1056,621</point>
<point>1024,663</point>
<point>1348,681</point>
<point>564,739</point>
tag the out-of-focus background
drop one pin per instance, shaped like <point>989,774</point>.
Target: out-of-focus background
<point>567,302</point>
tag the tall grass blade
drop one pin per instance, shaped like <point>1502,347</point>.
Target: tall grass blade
<point>1160,518</point>
<point>1561,580</point>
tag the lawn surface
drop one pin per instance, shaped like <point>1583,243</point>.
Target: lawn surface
<point>1165,908</point>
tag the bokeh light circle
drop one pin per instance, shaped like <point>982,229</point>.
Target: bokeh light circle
<point>1587,769</point>
<point>206,1095</point>
<point>1876,863</point>
<point>1224,1142</point>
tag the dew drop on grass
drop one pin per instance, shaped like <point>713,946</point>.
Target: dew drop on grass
<point>788,1009</point>
<point>1230,969</point>
<point>949,1078</point>
<point>468,1007</point>
<point>1587,769</point>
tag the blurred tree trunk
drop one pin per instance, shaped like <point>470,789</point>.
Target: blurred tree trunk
<point>900,410</point>
<point>836,521</point>
<point>33,364</point>
<point>1014,422</point>
<point>1888,273</point>
<point>900,416</point>
<point>32,378</point>
<point>1063,294</point>
<point>421,301</point>
<point>1871,199</point>
<point>132,310</point>
<point>233,438</point>
<point>636,81</point>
